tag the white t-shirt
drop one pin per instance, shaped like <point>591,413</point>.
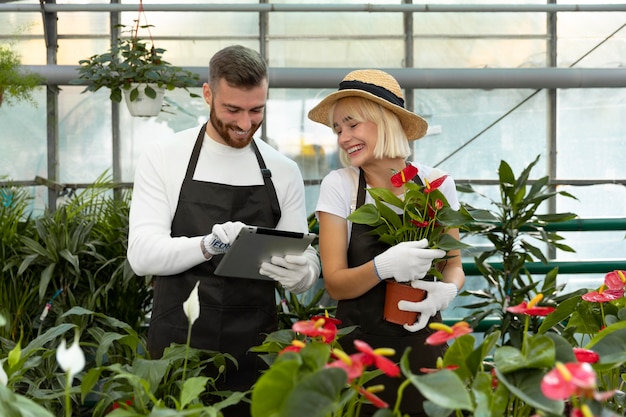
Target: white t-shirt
<point>338,191</point>
<point>158,179</point>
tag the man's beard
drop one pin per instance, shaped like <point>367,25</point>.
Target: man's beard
<point>224,131</point>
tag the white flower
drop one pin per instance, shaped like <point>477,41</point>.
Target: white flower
<point>191,307</point>
<point>3,375</point>
<point>71,360</point>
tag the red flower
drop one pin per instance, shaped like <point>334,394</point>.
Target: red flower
<point>373,398</point>
<point>586,355</point>
<point>320,327</point>
<point>615,280</point>
<point>404,176</point>
<point>531,308</point>
<point>419,224</point>
<point>432,186</point>
<point>353,364</point>
<point>603,295</point>
<point>445,333</point>
<point>295,346</point>
<point>377,357</point>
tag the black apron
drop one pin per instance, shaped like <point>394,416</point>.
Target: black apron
<point>235,314</point>
<point>366,311</point>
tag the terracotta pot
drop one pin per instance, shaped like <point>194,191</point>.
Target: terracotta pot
<point>397,291</point>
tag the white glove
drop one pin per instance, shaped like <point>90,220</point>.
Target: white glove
<point>221,238</point>
<point>291,271</point>
<point>406,261</point>
<point>439,296</point>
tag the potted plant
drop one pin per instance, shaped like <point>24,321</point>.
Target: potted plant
<point>16,84</point>
<point>422,213</point>
<point>138,70</point>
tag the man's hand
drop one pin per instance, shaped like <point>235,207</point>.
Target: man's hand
<point>221,238</point>
<point>291,271</point>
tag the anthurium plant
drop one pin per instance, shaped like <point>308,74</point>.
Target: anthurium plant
<point>549,375</point>
<point>423,212</point>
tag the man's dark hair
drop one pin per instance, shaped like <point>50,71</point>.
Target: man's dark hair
<point>239,66</point>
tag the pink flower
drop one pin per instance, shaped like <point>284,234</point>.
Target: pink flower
<point>569,379</point>
<point>586,355</point>
<point>615,280</point>
<point>531,308</point>
<point>603,295</point>
<point>445,333</point>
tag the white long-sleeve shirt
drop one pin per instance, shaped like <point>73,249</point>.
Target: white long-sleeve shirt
<point>158,179</point>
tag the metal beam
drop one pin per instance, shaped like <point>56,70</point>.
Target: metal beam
<point>313,7</point>
<point>431,78</point>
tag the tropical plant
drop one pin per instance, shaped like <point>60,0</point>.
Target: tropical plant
<point>16,83</point>
<point>422,213</point>
<point>514,228</point>
<point>132,60</point>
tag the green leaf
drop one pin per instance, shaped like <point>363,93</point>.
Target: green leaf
<point>192,388</point>
<point>540,354</point>
<point>525,384</point>
<point>273,387</point>
<point>316,395</point>
<point>444,388</point>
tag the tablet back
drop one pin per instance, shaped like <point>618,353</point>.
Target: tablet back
<point>255,245</point>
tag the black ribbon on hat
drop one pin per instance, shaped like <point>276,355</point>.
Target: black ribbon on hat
<point>377,90</point>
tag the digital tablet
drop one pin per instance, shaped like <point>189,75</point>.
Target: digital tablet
<point>255,245</point>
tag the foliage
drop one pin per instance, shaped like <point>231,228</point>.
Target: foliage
<point>16,84</point>
<point>514,228</point>
<point>74,255</point>
<point>132,60</point>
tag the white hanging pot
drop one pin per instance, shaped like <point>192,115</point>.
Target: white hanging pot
<point>144,106</point>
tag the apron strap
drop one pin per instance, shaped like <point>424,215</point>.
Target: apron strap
<point>269,184</point>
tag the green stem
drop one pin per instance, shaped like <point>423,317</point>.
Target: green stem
<point>186,352</point>
<point>68,403</point>
<point>396,408</point>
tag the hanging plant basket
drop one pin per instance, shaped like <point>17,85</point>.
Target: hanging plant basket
<point>132,58</point>
<point>397,291</point>
<point>144,100</point>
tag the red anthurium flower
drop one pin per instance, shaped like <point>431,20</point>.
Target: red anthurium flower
<point>438,204</point>
<point>377,357</point>
<point>434,184</point>
<point>353,364</point>
<point>569,379</point>
<point>531,308</point>
<point>586,355</point>
<point>615,280</point>
<point>373,398</point>
<point>583,411</point>
<point>419,224</point>
<point>603,295</point>
<point>404,176</point>
<point>445,333</point>
<point>321,327</point>
<point>295,346</point>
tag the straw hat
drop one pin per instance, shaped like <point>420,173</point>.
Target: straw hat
<point>377,86</point>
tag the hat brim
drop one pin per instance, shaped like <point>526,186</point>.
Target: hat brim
<point>414,126</point>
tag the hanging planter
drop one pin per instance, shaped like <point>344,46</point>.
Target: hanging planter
<point>129,62</point>
<point>397,291</point>
<point>144,100</point>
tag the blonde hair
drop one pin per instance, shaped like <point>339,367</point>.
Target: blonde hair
<point>392,141</point>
